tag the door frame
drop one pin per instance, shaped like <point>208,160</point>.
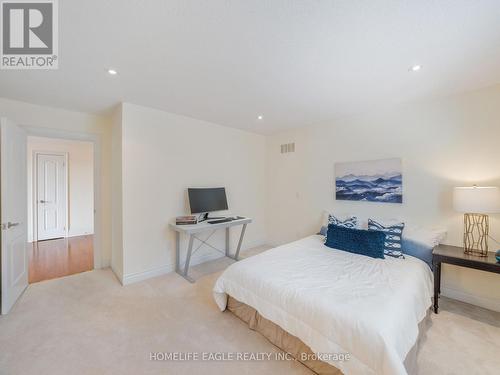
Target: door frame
<point>34,190</point>
<point>35,131</point>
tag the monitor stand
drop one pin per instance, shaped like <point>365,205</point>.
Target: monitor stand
<point>205,217</point>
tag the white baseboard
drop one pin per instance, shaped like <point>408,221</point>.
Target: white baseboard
<point>118,275</point>
<point>162,270</point>
<point>485,302</point>
<point>144,275</point>
<point>80,233</point>
<point>31,240</point>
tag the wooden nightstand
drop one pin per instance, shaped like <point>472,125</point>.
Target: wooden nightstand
<point>455,255</point>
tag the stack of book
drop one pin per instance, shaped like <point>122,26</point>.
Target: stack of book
<point>186,220</point>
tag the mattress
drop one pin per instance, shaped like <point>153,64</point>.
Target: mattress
<point>336,302</point>
<point>296,347</point>
<point>279,337</point>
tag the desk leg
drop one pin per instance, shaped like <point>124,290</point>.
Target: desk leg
<point>227,241</point>
<point>236,256</point>
<point>188,259</point>
<point>437,286</point>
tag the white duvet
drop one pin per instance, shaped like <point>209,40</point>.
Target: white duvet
<point>336,302</point>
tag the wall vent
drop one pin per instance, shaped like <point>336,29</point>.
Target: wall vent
<point>288,147</point>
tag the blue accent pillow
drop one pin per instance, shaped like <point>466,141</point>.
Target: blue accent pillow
<point>418,250</point>
<point>357,241</point>
<point>393,236</point>
<point>323,230</point>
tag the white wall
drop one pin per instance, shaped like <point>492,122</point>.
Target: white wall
<point>80,182</point>
<point>443,143</point>
<point>37,116</point>
<point>117,199</point>
<point>162,155</point>
<point>157,155</point>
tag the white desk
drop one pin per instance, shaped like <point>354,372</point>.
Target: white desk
<point>193,230</point>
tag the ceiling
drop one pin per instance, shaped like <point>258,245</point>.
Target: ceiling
<point>296,63</point>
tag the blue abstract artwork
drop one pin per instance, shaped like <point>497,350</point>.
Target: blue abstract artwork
<point>372,181</point>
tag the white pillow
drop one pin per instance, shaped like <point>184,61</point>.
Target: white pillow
<point>428,237</point>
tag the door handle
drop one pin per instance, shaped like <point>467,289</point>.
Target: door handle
<point>42,201</point>
<point>9,225</point>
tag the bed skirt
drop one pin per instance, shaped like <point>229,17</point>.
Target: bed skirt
<point>300,351</point>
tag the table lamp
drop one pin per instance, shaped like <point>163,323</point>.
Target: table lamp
<point>476,203</point>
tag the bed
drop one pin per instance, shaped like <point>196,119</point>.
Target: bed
<point>334,302</point>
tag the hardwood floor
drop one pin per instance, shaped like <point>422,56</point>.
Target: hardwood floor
<point>62,257</point>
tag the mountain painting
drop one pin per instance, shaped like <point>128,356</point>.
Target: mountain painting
<point>372,181</point>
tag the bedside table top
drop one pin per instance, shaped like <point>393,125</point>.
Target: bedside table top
<point>456,255</point>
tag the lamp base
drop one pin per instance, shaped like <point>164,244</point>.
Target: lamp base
<point>476,229</point>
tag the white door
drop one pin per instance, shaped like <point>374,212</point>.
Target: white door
<point>51,196</point>
<point>13,199</point>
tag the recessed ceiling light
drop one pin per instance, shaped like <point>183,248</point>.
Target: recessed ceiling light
<point>112,72</point>
<point>260,117</point>
<point>416,68</point>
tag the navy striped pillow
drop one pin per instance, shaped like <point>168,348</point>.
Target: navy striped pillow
<point>393,235</point>
<point>351,222</point>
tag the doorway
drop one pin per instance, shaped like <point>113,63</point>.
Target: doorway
<point>60,207</point>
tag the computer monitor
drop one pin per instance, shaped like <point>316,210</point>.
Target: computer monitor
<point>204,200</point>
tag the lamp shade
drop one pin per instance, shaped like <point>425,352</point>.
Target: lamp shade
<point>477,199</point>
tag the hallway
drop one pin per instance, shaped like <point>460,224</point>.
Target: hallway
<point>60,257</point>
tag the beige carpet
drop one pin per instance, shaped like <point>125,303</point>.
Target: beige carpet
<point>89,324</point>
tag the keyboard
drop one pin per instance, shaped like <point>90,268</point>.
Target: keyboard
<point>226,220</point>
